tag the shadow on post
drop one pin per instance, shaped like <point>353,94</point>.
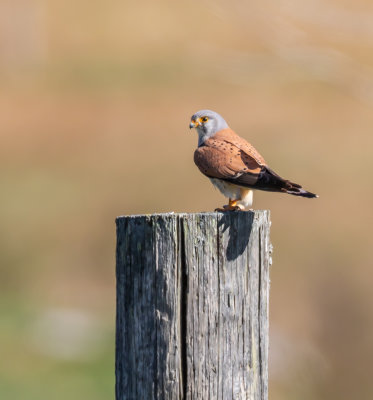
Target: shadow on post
<point>239,230</point>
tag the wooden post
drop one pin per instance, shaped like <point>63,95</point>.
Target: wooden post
<point>192,306</point>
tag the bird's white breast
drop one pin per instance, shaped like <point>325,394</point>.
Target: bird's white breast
<point>228,189</point>
<point>234,192</point>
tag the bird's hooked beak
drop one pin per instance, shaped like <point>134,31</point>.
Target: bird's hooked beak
<point>193,124</point>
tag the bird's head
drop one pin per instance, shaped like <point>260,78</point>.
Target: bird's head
<point>207,123</point>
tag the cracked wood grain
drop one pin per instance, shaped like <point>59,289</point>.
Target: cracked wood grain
<point>192,306</point>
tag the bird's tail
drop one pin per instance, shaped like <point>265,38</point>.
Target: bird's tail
<point>297,190</point>
<point>269,180</point>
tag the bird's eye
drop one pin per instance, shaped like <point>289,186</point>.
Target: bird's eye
<point>205,119</point>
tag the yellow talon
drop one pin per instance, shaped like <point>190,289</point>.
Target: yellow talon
<point>232,206</point>
<point>232,203</point>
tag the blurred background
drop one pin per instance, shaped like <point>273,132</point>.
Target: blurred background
<point>95,102</point>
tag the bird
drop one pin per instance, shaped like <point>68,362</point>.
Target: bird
<point>233,165</point>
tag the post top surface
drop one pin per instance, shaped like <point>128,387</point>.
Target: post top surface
<point>212,214</point>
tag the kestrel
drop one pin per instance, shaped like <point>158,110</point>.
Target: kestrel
<point>233,165</point>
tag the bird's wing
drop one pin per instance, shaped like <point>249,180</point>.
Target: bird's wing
<point>227,156</point>
<point>229,136</point>
<point>218,158</point>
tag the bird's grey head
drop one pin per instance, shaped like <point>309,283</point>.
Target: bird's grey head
<point>207,123</point>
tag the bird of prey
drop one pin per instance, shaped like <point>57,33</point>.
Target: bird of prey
<point>233,165</point>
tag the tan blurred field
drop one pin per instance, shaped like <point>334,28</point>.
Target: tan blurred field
<point>95,101</point>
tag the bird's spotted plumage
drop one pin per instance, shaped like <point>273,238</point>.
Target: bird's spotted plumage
<point>233,165</point>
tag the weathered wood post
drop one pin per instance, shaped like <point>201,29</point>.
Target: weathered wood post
<point>192,306</point>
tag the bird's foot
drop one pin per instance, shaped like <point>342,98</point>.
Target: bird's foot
<point>232,206</point>
<point>228,208</point>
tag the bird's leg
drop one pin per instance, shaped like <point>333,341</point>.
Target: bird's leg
<point>232,206</point>
<point>232,203</point>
